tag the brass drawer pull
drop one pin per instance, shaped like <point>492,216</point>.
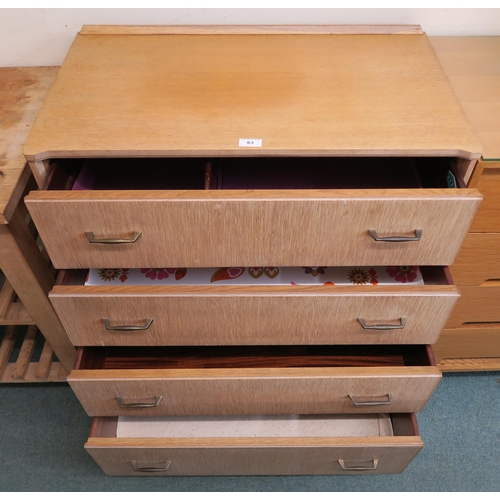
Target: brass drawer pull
<point>396,239</point>
<point>374,461</point>
<point>121,404</point>
<point>112,241</point>
<point>127,328</point>
<point>388,401</point>
<point>402,323</point>
<point>138,468</point>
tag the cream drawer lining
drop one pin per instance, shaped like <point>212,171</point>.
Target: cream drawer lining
<point>260,426</point>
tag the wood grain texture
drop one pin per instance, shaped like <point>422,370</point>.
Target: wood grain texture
<point>487,219</point>
<point>253,390</point>
<point>24,267</point>
<point>472,65</point>
<point>249,228</point>
<point>249,315</point>
<point>469,341</point>
<point>197,95</point>
<point>365,29</point>
<point>477,304</point>
<point>469,364</point>
<point>22,92</point>
<point>478,260</point>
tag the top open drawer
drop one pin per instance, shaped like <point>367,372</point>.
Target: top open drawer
<point>252,211</point>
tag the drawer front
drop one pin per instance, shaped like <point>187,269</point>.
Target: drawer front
<point>488,216</point>
<point>256,455</point>
<point>477,304</point>
<point>476,341</point>
<point>254,390</point>
<point>225,315</point>
<point>248,228</point>
<point>478,260</point>
<point>120,457</point>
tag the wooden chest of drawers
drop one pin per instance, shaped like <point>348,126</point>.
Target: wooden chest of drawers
<point>253,147</point>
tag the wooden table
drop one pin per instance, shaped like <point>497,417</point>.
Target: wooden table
<point>25,270</point>
<point>471,339</point>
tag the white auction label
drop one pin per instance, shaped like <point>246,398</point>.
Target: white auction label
<point>250,143</point>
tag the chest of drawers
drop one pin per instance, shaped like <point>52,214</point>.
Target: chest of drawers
<point>232,148</point>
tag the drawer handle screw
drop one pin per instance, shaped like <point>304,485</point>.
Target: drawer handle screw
<point>396,239</point>
<point>402,323</point>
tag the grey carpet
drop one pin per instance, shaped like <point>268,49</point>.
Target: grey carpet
<point>43,429</point>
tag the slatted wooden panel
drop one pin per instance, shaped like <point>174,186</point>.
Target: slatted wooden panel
<point>12,311</point>
<point>24,368</point>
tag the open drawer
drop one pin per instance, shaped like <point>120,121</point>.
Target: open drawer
<point>257,445</point>
<point>253,211</point>
<point>131,315</point>
<point>141,381</point>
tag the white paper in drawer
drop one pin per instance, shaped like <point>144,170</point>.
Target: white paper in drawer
<point>382,275</point>
<point>256,426</point>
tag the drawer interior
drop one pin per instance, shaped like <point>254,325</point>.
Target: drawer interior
<point>257,426</point>
<point>431,275</point>
<point>205,357</point>
<point>251,173</point>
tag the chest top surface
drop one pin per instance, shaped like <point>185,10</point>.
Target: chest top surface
<point>134,95</point>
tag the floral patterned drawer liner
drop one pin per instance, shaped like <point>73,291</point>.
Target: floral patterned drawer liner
<point>382,275</point>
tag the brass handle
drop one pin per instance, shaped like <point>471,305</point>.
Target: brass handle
<point>354,399</point>
<point>396,239</point>
<point>112,241</point>
<point>138,468</point>
<point>402,323</point>
<point>127,328</point>
<point>374,461</point>
<point>121,404</point>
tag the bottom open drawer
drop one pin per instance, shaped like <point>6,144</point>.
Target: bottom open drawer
<point>255,445</point>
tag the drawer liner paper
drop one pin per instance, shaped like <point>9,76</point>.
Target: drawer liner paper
<point>382,275</point>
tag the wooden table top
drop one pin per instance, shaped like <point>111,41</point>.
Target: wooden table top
<point>22,92</point>
<point>473,66</point>
<point>198,94</point>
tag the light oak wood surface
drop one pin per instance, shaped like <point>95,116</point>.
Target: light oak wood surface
<point>197,95</point>
<point>250,315</point>
<point>470,342</point>
<point>255,456</point>
<point>248,228</point>
<point>365,29</point>
<point>26,270</point>
<point>22,92</point>
<point>478,260</point>
<point>253,390</point>
<point>477,304</point>
<point>487,219</point>
<point>472,65</point>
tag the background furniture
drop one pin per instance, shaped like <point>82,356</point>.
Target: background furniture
<point>182,106</point>
<point>471,339</point>
<point>26,275</point>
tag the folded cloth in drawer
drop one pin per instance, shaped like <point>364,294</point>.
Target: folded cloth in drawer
<point>382,275</point>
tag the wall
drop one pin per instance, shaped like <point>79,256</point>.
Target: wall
<point>41,37</point>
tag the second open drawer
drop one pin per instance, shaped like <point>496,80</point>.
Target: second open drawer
<point>129,315</point>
